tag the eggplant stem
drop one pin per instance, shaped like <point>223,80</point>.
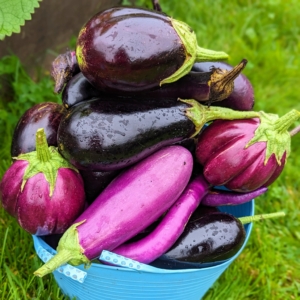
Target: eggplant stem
<point>284,122</point>
<point>42,149</point>
<point>203,54</point>
<point>222,82</point>
<point>249,219</point>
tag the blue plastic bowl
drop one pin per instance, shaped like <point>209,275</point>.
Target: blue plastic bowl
<point>105,282</point>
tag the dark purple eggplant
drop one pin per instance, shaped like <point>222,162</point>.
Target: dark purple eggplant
<point>135,49</point>
<point>96,182</point>
<point>214,85</point>
<point>214,237</point>
<point>42,191</point>
<point>109,134</point>
<point>45,115</point>
<point>242,96</point>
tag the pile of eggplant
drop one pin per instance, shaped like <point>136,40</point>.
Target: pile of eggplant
<point>149,127</point>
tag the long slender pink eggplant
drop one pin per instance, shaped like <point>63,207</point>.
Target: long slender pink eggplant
<point>130,203</point>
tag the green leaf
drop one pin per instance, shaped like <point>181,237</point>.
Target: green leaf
<point>13,14</point>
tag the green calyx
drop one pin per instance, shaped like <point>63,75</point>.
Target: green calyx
<point>274,131</point>
<point>46,160</point>
<point>68,251</point>
<point>200,114</point>
<point>194,53</point>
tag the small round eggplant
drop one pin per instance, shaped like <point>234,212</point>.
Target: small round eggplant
<point>244,155</point>
<point>242,95</point>
<point>135,49</point>
<point>111,134</point>
<point>42,190</point>
<point>45,115</point>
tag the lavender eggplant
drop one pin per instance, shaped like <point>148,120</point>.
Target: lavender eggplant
<point>213,238</point>
<point>244,155</point>
<point>214,85</point>
<point>242,95</point>
<point>45,115</point>
<point>110,134</point>
<point>130,48</point>
<point>170,228</point>
<point>172,225</point>
<point>130,203</point>
<point>42,190</point>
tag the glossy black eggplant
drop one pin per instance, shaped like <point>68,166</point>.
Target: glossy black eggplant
<point>213,237</point>
<point>110,134</point>
<point>211,86</point>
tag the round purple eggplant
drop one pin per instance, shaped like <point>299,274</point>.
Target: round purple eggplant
<point>111,134</point>
<point>45,115</point>
<point>244,155</point>
<point>135,49</point>
<point>42,190</point>
<point>242,95</point>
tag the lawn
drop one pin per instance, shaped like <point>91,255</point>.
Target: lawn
<point>267,34</point>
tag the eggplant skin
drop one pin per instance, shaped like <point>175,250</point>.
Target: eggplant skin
<point>221,151</point>
<point>107,135</point>
<point>214,237</point>
<point>127,48</point>
<point>45,115</point>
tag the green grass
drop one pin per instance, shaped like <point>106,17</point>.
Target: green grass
<point>267,33</point>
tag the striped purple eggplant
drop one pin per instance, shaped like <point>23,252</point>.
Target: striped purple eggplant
<point>244,155</point>
<point>42,190</point>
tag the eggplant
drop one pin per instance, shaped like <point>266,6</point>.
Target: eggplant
<point>109,134</point>
<point>42,191</point>
<point>130,203</point>
<point>244,155</point>
<point>214,85</point>
<point>242,95</point>
<point>129,48</point>
<point>214,238</point>
<point>45,115</point>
